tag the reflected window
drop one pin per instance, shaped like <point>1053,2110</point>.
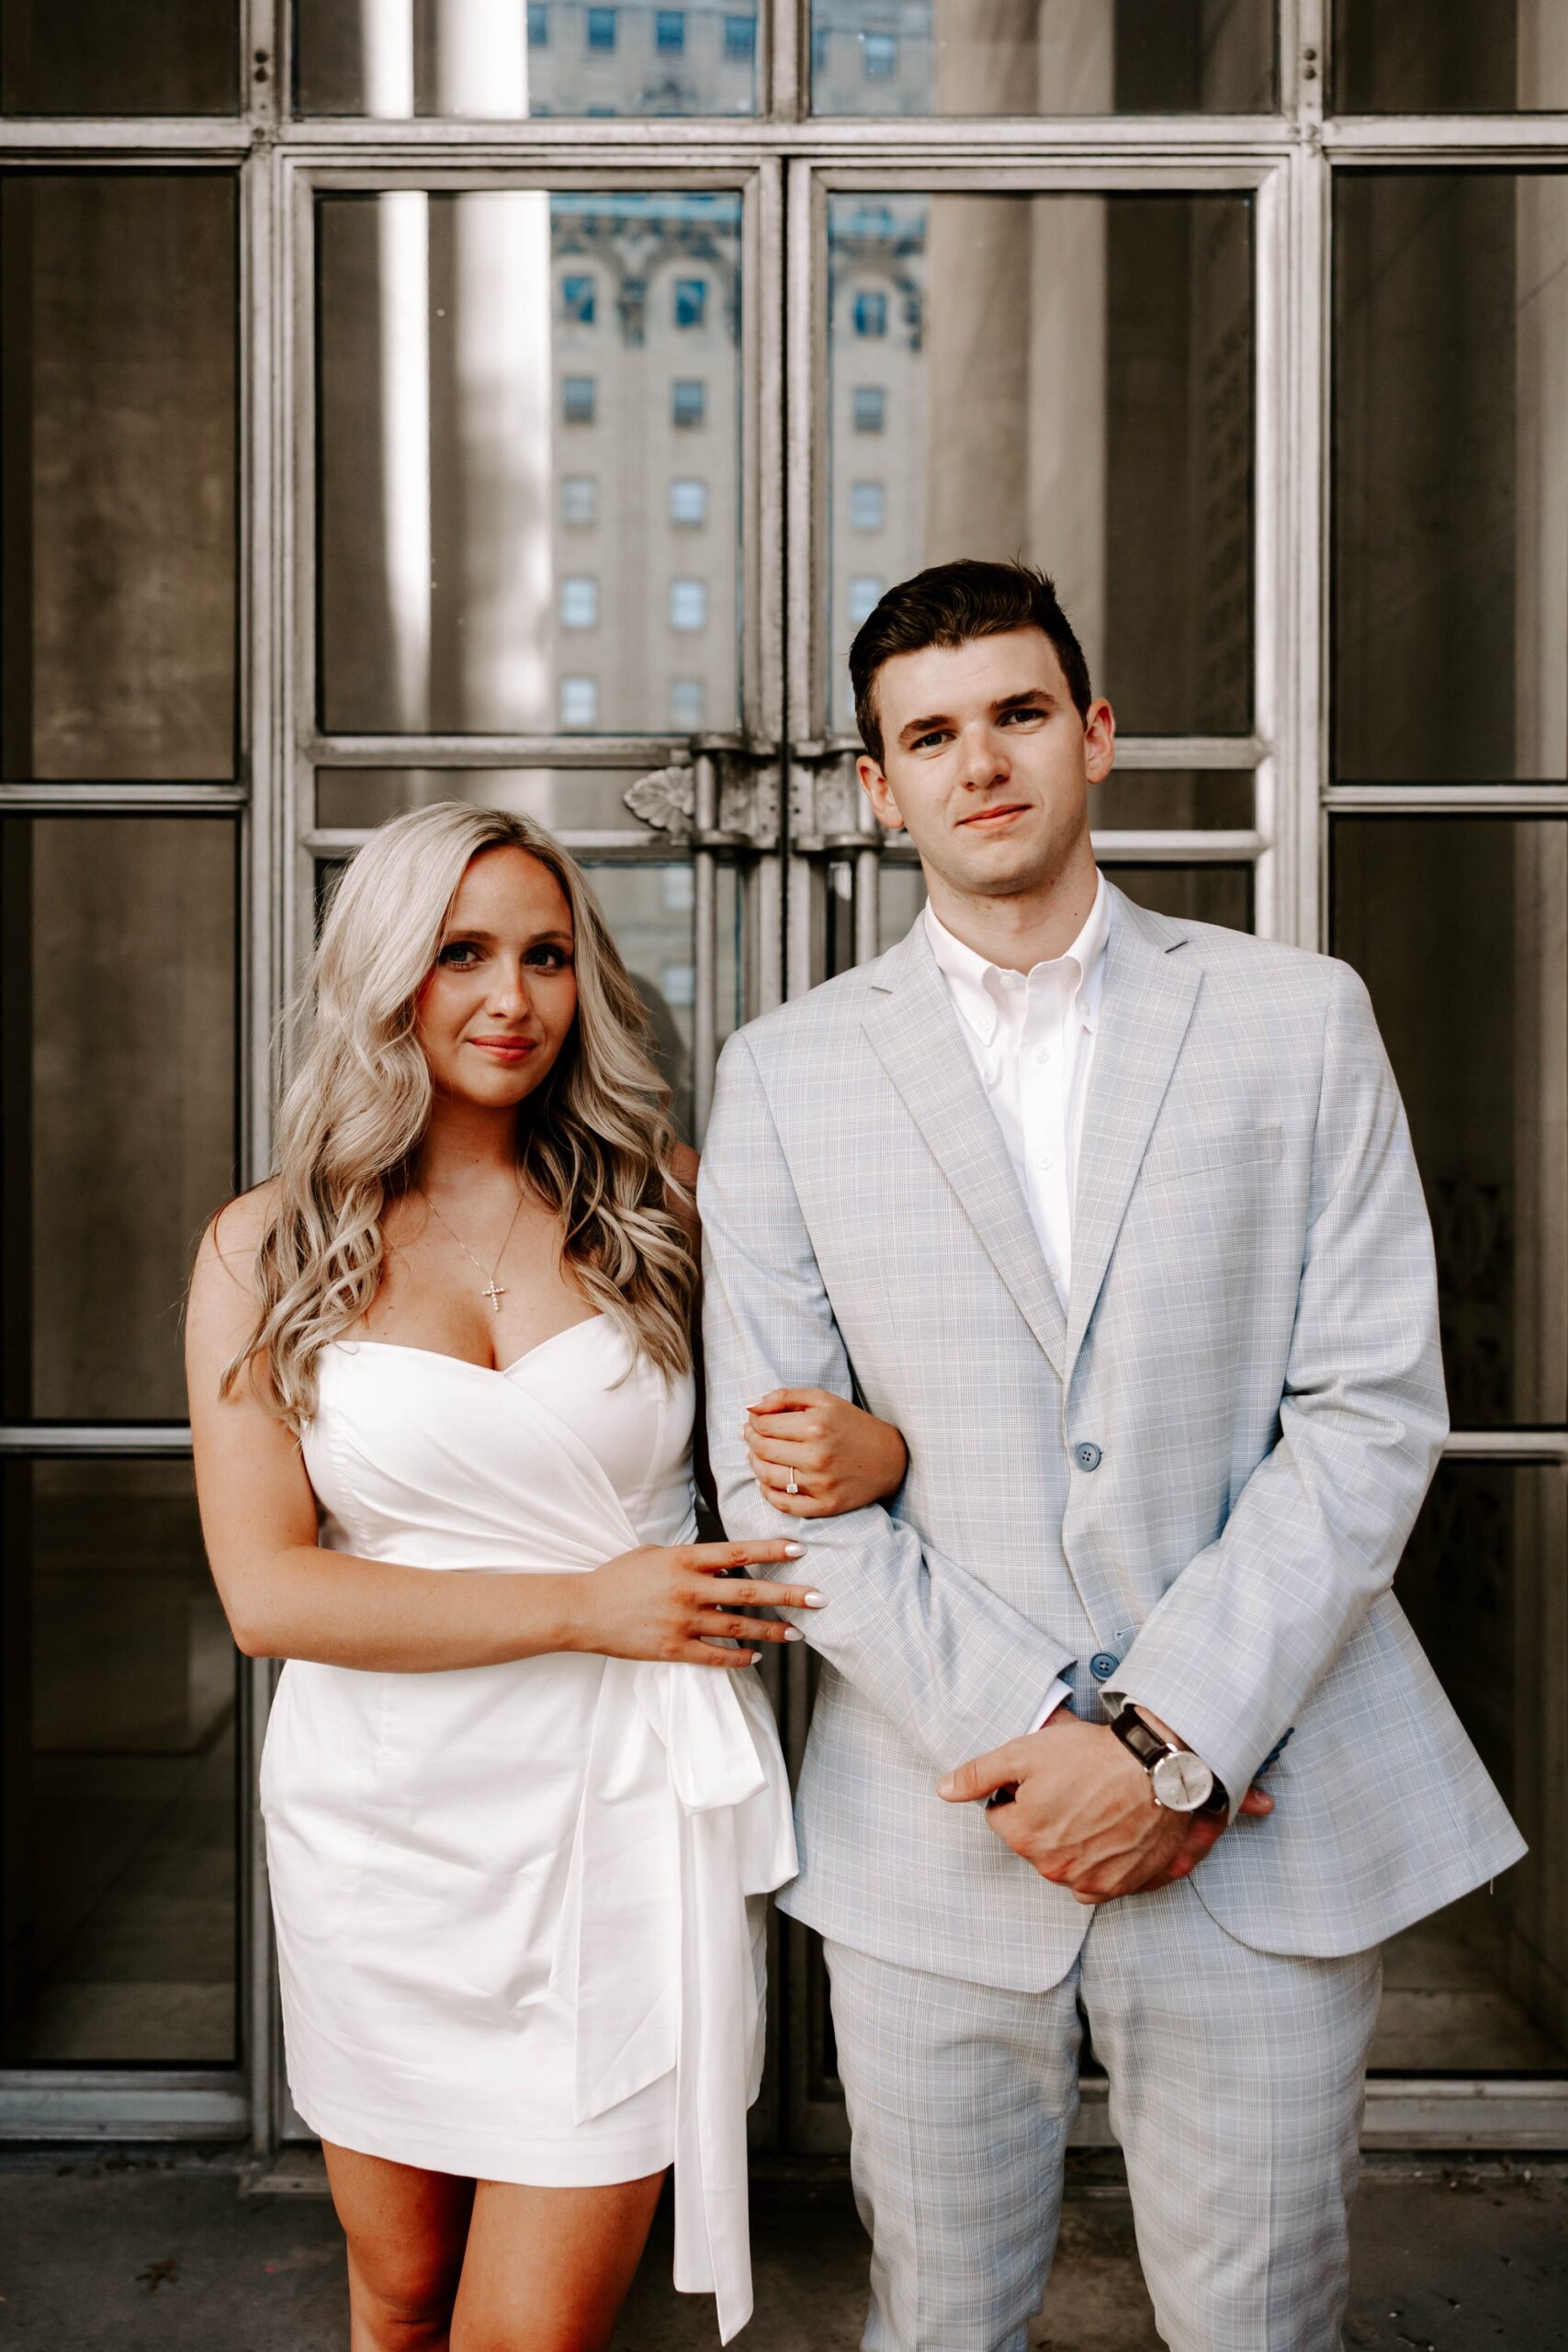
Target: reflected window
<point>465,453</point>
<point>688,501</point>
<point>577,301</point>
<point>600,28</point>
<point>740,38</point>
<point>688,603</point>
<point>870,313</point>
<point>670,31</point>
<point>539,23</point>
<point>691,301</point>
<point>580,602</point>
<point>580,702</point>
<point>579,399</point>
<point>867,506</point>
<point>688,400</point>
<point>578,498</point>
<point>866,594</point>
<point>687,701</point>
<point>950,57</point>
<point>1119,456</point>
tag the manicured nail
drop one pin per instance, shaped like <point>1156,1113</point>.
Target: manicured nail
<point>944,1786</point>
<point>794,1634</point>
<point>755,1658</point>
<point>816,1601</point>
<point>795,1551</point>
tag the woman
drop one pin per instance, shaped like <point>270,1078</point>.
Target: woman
<point>523,1800</point>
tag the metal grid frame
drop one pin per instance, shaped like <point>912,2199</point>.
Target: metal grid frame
<point>785,162</point>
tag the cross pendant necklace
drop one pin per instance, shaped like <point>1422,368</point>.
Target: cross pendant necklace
<point>495,1291</point>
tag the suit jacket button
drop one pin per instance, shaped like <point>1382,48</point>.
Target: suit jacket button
<point>1086,1455</point>
<point>1103,1665</point>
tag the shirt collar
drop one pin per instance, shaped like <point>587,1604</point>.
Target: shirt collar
<point>975,983</point>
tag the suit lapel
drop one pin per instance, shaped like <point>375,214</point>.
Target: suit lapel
<point>1151,986</point>
<point>914,1031</point>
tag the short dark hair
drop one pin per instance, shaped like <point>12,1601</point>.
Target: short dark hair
<point>950,603</point>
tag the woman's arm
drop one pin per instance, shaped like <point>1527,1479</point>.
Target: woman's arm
<point>287,1597</point>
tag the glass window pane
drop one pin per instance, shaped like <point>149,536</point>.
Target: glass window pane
<point>953,57</point>
<point>450,430</point>
<point>566,799</point>
<point>1450,57</point>
<point>118,57</point>
<point>1451,485</point>
<point>120,1688</point>
<point>118,1082</point>
<point>1216,801</point>
<point>1197,893</point>
<point>1459,928</point>
<point>1482,1986</point>
<point>1108,437</point>
<point>117,429</point>
<point>499,61</point>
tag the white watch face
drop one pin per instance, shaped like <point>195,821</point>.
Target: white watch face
<point>1182,1782</point>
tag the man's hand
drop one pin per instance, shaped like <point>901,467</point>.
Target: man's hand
<point>1083,1814</point>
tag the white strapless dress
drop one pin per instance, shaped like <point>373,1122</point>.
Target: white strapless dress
<point>520,1907</point>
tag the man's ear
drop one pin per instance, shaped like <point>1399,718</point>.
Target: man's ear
<point>879,792</point>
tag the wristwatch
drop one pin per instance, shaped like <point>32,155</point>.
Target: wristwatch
<point>1181,1781</point>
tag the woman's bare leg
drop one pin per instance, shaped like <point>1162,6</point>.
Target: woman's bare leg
<point>406,2230</point>
<point>547,2269</point>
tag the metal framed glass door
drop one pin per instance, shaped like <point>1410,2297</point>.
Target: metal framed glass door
<point>525,402</point>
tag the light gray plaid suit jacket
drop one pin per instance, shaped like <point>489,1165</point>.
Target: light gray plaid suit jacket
<point>1197,1485</point>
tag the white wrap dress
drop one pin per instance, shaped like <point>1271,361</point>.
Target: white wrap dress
<point>519,1907</point>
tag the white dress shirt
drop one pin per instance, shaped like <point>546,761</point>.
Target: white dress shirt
<point>1031,1037</point>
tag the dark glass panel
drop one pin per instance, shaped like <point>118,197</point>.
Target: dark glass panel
<point>118,1080</point>
<point>1450,56</point>
<point>1459,928</point>
<point>1218,800</point>
<point>1482,1986</point>
<point>117,452</point>
<point>1047,57</point>
<point>469,57</point>
<point>118,57</point>
<point>1451,477</point>
<point>121,1882</point>
<point>1108,436</point>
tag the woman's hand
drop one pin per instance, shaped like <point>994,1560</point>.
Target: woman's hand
<point>673,1602</point>
<point>840,1457</point>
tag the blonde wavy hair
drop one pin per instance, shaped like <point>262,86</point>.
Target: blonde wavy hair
<point>595,1140</point>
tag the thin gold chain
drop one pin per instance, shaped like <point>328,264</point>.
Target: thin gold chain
<point>495,1291</point>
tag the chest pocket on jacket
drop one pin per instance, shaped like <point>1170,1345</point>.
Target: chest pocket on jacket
<point>1227,1149</point>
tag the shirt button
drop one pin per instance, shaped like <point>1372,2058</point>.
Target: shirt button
<point>1042,1053</point>
<point>1087,1455</point>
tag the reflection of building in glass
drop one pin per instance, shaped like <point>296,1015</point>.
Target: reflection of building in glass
<point>530,438</point>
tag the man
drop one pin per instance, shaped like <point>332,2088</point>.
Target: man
<point>1116,1218</point>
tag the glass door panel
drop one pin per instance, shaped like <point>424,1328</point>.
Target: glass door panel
<point>120,1894</point>
<point>118,443</point>
<point>1450,57</point>
<point>1047,57</point>
<point>1064,378</point>
<point>1450,482</point>
<point>530,461</point>
<point>119,57</point>
<point>507,60</point>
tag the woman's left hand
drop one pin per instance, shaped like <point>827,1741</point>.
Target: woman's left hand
<point>838,1457</point>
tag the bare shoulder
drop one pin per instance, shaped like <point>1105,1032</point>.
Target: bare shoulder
<point>683,1166</point>
<point>222,1296</point>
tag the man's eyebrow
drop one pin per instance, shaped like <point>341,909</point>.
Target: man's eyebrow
<point>1029,694</point>
<point>1026,695</point>
<point>923,727</point>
